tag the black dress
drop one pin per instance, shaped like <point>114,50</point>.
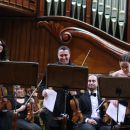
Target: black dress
<point>22,123</point>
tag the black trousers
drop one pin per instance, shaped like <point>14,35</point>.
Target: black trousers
<point>5,120</point>
<point>51,123</point>
<point>25,125</point>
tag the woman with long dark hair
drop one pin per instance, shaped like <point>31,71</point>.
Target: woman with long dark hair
<point>3,51</point>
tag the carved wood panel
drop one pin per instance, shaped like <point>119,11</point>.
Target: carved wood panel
<point>28,42</point>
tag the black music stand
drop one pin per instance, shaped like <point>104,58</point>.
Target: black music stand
<point>66,77</point>
<point>18,73</point>
<point>114,88</point>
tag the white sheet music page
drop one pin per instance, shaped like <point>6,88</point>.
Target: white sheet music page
<point>49,101</point>
<point>112,112</point>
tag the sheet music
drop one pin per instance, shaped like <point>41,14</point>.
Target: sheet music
<point>49,101</point>
<point>112,112</point>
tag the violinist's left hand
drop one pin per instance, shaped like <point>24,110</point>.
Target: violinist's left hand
<point>32,100</point>
<point>114,102</point>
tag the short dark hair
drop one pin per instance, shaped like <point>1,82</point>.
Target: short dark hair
<point>64,48</point>
<point>125,57</point>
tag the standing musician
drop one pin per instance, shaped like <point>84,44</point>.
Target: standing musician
<point>89,103</point>
<point>50,117</point>
<point>124,72</point>
<point>23,121</point>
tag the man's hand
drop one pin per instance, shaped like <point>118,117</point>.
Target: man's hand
<point>44,93</point>
<point>73,93</point>
<point>114,102</point>
<point>92,122</point>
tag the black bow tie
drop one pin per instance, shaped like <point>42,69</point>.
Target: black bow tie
<point>93,94</point>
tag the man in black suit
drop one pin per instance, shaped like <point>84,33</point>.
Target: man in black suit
<point>51,118</point>
<point>89,103</point>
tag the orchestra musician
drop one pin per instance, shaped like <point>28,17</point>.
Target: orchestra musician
<point>3,51</point>
<point>124,71</point>
<point>23,121</point>
<point>89,103</point>
<point>5,116</point>
<point>49,117</point>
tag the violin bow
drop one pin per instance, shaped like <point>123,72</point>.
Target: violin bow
<point>33,93</point>
<point>86,57</point>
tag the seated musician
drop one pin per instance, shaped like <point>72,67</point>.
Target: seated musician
<point>89,103</point>
<point>5,110</point>
<point>22,108</point>
<point>50,118</point>
<point>123,72</point>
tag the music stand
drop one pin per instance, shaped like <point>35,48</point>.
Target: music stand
<point>66,77</point>
<point>114,87</point>
<point>18,73</point>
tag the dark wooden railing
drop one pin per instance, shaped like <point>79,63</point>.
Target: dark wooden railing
<point>24,7</point>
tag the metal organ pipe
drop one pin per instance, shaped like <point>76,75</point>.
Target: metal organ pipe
<point>73,3</point>
<point>94,11</point>
<point>107,14</point>
<point>122,17</point>
<point>100,12</point>
<point>49,2</point>
<point>56,3</point>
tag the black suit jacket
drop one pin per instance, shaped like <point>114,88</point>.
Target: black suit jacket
<point>60,99</point>
<point>85,105</point>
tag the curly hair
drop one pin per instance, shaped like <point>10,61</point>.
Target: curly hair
<point>4,53</point>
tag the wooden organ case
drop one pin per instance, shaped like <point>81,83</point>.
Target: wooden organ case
<point>80,24</point>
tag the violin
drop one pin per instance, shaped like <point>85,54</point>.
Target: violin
<point>106,118</point>
<point>4,102</point>
<point>77,116</point>
<point>30,105</point>
<point>104,104</point>
<point>30,116</point>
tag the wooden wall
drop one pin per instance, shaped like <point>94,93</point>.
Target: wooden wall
<point>28,42</point>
